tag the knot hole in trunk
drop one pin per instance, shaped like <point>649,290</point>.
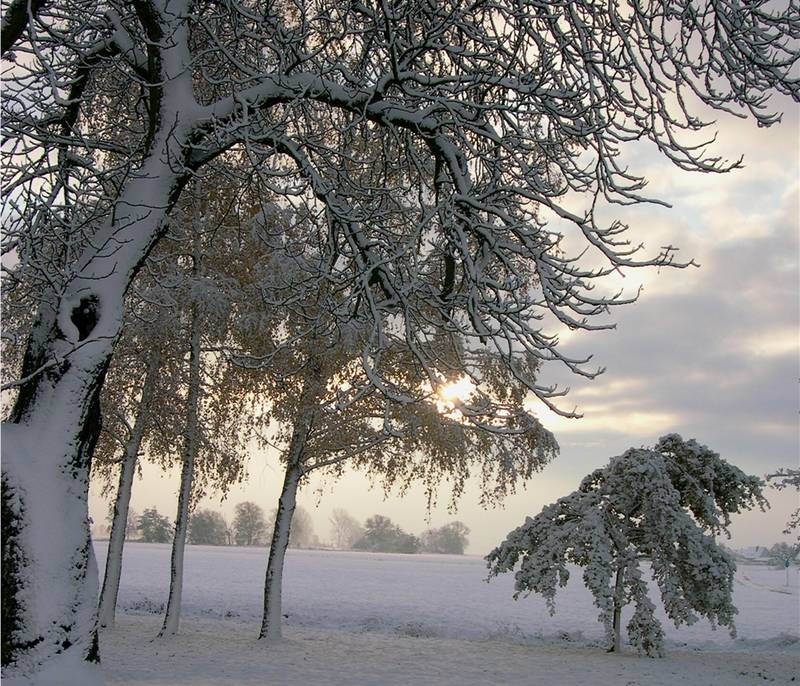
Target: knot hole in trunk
<point>85,315</point>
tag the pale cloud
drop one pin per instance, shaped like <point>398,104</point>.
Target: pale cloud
<point>595,418</point>
<point>773,343</point>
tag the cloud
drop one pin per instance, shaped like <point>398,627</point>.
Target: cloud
<point>709,352</point>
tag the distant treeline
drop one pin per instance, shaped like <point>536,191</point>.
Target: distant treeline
<point>252,527</point>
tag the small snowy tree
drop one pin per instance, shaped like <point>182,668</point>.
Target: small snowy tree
<point>663,504</point>
<point>783,552</point>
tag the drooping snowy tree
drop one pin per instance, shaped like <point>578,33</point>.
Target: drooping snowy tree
<point>663,504</point>
<point>330,415</point>
<point>110,109</point>
<point>335,419</point>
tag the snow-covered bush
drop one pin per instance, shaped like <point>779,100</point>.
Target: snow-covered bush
<point>663,504</point>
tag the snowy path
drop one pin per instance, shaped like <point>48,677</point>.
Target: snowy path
<point>220,652</point>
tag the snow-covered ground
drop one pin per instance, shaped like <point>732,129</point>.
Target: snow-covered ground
<point>361,618</point>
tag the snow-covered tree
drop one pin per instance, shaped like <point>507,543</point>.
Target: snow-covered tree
<point>787,478</point>
<point>249,524</point>
<point>329,414</point>
<point>154,527</point>
<point>217,408</point>
<point>663,504</point>
<point>157,388</point>
<point>138,398</point>
<point>492,112</point>
<point>336,419</point>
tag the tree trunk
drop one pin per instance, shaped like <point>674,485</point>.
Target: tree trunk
<point>273,583</point>
<point>119,525</point>
<point>49,575</point>
<point>173,613</point>
<point>618,603</point>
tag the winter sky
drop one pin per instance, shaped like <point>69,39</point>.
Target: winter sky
<point>710,353</point>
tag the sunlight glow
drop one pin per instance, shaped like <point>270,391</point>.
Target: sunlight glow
<point>455,392</point>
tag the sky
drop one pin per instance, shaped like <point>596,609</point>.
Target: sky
<point>711,353</point>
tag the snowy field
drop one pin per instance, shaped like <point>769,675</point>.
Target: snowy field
<point>430,617</point>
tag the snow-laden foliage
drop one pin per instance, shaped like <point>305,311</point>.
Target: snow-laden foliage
<point>662,504</point>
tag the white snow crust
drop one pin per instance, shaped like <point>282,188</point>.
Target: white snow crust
<point>444,596</point>
<point>362,618</point>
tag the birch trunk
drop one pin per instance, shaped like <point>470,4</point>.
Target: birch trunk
<point>173,613</point>
<point>273,583</point>
<point>119,525</point>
